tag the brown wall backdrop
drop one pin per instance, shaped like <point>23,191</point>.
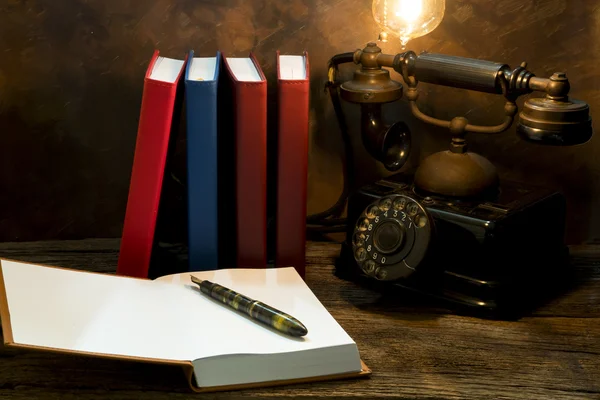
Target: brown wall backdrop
<point>71,75</point>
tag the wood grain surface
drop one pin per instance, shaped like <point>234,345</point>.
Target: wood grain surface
<point>416,349</point>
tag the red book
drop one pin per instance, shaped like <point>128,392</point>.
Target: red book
<point>249,89</point>
<point>292,160</point>
<point>161,88</point>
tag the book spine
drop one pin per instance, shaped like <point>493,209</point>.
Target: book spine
<point>292,166</point>
<point>251,173</point>
<point>202,177</point>
<point>152,142</point>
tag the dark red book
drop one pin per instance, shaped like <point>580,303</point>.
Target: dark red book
<point>249,91</point>
<point>162,87</point>
<point>292,160</point>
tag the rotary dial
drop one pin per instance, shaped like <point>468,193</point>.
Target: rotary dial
<point>391,237</point>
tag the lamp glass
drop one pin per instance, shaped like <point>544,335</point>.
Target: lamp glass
<point>407,19</point>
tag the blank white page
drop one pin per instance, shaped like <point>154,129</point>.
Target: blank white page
<point>243,69</point>
<point>230,332</point>
<point>292,67</point>
<point>164,319</point>
<point>202,69</point>
<point>166,69</point>
<point>80,311</point>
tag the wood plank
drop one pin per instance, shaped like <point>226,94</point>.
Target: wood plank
<point>416,349</point>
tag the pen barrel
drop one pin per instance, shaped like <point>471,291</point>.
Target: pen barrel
<point>277,319</point>
<point>227,296</point>
<point>255,309</point>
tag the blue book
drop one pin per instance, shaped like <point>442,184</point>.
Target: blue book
<point>201,87</point>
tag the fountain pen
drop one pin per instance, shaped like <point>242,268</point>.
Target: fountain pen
<point>256,310</point>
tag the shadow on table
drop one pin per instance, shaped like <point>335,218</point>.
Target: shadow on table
<point>407,303</point>
<point>402,305</point>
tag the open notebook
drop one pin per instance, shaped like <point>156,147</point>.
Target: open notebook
<point>169,321</point>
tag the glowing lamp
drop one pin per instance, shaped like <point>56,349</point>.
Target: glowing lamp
<point>407,19</point>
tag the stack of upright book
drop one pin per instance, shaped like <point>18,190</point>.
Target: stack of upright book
<point>226,119</point>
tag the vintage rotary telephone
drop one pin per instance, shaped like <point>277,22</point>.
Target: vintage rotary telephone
<point>453,229</point>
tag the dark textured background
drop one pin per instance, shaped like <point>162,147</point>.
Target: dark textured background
<point>71,75</point>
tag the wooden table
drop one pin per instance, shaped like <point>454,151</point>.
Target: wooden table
<point>415,350</point>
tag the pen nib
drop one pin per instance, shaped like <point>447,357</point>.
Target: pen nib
<point>196,280</point>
